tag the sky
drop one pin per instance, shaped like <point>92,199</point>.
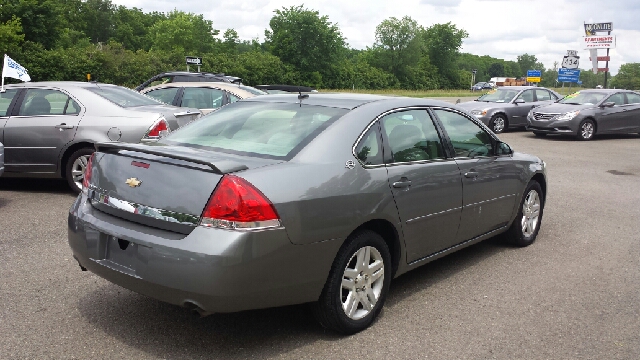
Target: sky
<point>499,28</point>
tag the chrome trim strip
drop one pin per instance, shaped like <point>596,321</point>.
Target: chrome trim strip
<point>490,200</point>
<point>96,196</point>
<point>30,147</point>
<point>434,214</point>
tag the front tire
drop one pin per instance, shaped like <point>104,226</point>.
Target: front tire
<point>76,165</point>
<point>587,130</point>
<point>525,227</point>
<point>498,123</point>
<point>357,285</point>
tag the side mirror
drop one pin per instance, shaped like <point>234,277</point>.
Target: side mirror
<point>503,149</point>
<point>608,104</point>
<point>519,101</point>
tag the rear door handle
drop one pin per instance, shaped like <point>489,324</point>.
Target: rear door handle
<point>64,126</point>
<point>471,174</point>
<point>403,183</point>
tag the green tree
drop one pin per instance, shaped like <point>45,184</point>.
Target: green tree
<point>398,46</point>
<point>496,69</point>
<point>11,36</point>
<point>628,77</point>
<point>231,41</point>
<point>528,62</point>
<point>39,18</point>
<point>306,40</point>
<point>443,46</point>
<point>98,16</point>
<point>184,33</point>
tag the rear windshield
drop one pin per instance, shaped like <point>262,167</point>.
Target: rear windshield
<point>122,96</point>
<point>262,129</point>
<point>252,90</point>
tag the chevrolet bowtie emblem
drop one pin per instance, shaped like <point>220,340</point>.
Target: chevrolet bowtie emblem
<point>133,182</point>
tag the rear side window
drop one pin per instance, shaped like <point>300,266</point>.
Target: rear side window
<point>5,100</point>
<point>165,95</point>
<point>47,102</point>
<point>202,98</point>
<point>412,136</point>
<point>368,149</point>
<point>271,130</point>
<point>121,96</point>
<point>633,98</point>
<point>542,95</point>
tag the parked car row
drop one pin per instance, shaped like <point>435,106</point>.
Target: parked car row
<point>582,114</point>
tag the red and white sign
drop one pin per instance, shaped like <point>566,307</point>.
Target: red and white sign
<point>603,58</point>
<point>599,42</point>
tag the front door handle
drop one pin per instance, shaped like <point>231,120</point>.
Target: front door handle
<point>472,174</point>
<point>403,183</point>
<point>64,126</point>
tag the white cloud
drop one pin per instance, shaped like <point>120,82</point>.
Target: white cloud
<point>502,29</point>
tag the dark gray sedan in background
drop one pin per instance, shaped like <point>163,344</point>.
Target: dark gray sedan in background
<point>49,128</point>
<point>1,159</point>
<point>287,199</point>
<point>508,106</point>
<point>589,112</point>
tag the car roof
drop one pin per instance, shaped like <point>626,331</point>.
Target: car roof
<point>290,88</point>
<point>234,88</point>
<point>60,84</point>
<point>347,101</point>
<point>521,87</point>
<point>609,91</point>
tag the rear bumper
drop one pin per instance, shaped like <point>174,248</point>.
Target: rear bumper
<point>217,270</point>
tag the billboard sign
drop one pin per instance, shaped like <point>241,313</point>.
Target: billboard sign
<point>193,60</point>
<point>571,60</point>
<point>534,75</point>
<point>599,42</point>
<point>568,75</point>
<point>592,29</point>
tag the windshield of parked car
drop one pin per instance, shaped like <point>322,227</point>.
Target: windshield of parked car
<point>583,98</point>
<point>252,90</point>
<point>261,129</point>
<point>499,95</point>
<point>122,96</point>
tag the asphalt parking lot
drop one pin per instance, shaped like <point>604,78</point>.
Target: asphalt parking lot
<point>571,295</point>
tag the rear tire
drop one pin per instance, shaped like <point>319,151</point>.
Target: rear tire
<point>587,130</point>
<point>525,227</point>
<point>76,165</point>
<point>539,134</point>
<point>498,123</point>
<point>357,285</point>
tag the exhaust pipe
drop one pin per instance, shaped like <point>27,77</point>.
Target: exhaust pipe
<point>196,308</point>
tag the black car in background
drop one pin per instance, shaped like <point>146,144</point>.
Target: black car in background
<point>283,89</point>
<point>186,76</point>
<point>482,86</point>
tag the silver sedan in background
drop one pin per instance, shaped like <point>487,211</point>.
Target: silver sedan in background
<point>287,199</point>
<point>508,106</point>
<point>49,128</point>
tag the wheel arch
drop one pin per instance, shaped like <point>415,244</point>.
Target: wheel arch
<point>390,235</point>
<point>595,123</point>
<point>67,153</point>
<point>540,179</point>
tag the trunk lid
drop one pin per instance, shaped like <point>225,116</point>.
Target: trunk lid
<point>177,117</point>
<point>160,186</point>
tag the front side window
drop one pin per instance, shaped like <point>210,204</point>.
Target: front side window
<point>468,138</point>
<point>368,149</point>
<point>527,96</point>
<point>122,96</point>
<point>5,100</point>
<point>165,95</point>
<point>47,102</point>
<point>261,129</point>
<point>412,136</point>
<point>618,99</point>
<point>542,95</point>
<point>202,98</point>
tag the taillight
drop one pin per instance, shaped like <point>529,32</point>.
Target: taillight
<point>87,174</point>
<point>159,129</point>
<point>236,204</point>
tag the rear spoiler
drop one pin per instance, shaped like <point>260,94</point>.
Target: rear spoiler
<point>174,152</point>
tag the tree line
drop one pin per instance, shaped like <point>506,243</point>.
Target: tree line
<point>67,39</point>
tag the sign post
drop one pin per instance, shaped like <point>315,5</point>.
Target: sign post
<point>193,60</point>
<point>593,43</point>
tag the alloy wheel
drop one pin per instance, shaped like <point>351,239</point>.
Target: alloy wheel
<point>530,213</point>
<point>362,282</point>
<point>78,168</point>
<point>498,125</point>
<point>586,131</point>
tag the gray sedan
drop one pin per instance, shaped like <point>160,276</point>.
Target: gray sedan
<point>287,199</point>
<point>587,113</point>
<point>1,159</point>
<point>49,128</point>
<point>508,106</point>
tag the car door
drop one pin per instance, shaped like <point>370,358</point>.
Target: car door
<point>425,183</point>
<point>7,101</point>
<point>490,183</point>
<point>613,119</point>
<point>632,112</point>
<point>41,124</point>
<point>518,112</point>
